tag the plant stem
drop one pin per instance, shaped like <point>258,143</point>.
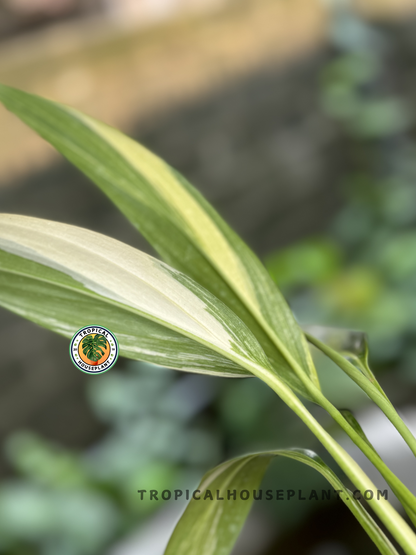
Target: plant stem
<point>404,495</point>
<point>387,514</point>
<point>374,391</point>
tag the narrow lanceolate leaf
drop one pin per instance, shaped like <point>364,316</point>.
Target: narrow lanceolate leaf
<point>211,524</point>
<point>184,229</point>
<point>64,277</point>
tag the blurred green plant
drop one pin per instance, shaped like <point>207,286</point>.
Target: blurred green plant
<point>78,503</point>
<point>214,310</point>
<point>360,274</point>
<point>239,325</point>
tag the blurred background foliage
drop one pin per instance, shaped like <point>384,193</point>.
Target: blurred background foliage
<point>361,273</point>
<point>156,429</point>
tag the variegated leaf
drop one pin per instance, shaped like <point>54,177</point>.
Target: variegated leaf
<point>64,277</point>
<point>211,524</point>
<point>178,222</point>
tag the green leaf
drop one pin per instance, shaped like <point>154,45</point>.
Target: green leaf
<point>184,229</point>
<point>57,276</point>
<point>212,526</point>
<point>92,346</point>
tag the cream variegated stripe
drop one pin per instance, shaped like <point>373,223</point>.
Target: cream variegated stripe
<point>54,300</point>
<point>127,276</point>
<point>196,221</point>
<point>202,230</point>
<point>180,224</point>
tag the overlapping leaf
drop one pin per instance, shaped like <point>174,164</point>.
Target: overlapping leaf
<point>211,524</point>
<point>64,277</point>
<point>177,221</point>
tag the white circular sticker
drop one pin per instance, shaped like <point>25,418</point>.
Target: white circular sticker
<point>94,349</point>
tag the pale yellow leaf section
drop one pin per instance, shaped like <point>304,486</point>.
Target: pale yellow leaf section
<point>201,227</point>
